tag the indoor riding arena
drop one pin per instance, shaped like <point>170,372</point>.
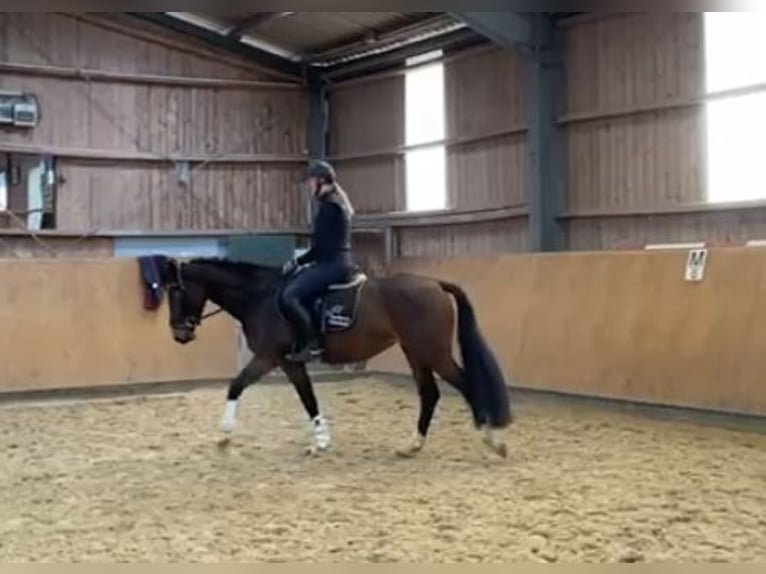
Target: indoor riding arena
<point>592,181</point>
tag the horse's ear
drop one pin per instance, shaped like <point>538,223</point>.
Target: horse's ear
<point>169,268</point>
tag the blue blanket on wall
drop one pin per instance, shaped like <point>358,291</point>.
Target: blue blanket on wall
<point>151,280</point>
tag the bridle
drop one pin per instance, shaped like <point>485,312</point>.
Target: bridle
<point>178,285</point>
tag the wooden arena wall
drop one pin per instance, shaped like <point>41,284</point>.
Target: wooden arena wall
<point>121,100</point>
<point>80,323</point>
<point>633,119</point>
<point>623,325</point>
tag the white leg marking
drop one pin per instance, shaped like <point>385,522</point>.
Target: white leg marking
<point>495,439</point>
<point>415,445</point>
<point>321,432</point>
<point>229,417</point>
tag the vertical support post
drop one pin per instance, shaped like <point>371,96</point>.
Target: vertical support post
<point>318,116</point>
<point>388,240</point>
<point>318,125</point>
<point>547,144</point>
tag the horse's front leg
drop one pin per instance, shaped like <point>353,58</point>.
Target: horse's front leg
<point>252,373</point>
<point>319,427</point>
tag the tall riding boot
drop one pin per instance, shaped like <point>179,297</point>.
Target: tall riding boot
<point>310,347</point>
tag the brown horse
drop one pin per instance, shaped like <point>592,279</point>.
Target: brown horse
<point>358,319</point>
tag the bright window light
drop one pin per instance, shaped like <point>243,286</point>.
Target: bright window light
<point>735,146</point>
<point>736,126</point>
<point>734,43</point>
<point>426,168</point>
<point>3,191</point>
<point>426,179</point>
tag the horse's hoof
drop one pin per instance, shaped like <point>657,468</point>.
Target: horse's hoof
<point>415,446</point>
<point>492,439</point>
<point>224,444</point>
<point>407,452</point>
<point>501,450</point>
<point>314,450</point>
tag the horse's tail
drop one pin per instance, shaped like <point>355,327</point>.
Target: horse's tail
<point>482,374</point>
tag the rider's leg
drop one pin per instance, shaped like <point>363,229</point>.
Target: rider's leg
<point>309,284</point>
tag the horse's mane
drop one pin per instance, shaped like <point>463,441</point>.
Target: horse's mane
<point>249,274</point>
<point>233,266</point>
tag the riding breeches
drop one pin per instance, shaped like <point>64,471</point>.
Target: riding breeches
<point>310,283</point>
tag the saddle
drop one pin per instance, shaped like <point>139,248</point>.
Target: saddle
<point>335,309</point>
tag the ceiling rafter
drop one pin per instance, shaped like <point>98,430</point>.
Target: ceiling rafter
<point>254,21</point>
<point>372,47</point>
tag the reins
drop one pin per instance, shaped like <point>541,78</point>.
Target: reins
<point>211,314</point>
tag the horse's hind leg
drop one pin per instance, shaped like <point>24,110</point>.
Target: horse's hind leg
<point>451,372</point>
<point>428,392</point>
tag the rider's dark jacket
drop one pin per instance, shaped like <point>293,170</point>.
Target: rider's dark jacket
<point>331,237</point>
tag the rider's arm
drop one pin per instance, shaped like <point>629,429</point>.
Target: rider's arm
<point>307,257</point>
<point>329,225</point>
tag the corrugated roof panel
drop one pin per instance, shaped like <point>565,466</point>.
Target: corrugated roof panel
<point>311,31</point>
<point>326,38</point>
<point>307,32</point>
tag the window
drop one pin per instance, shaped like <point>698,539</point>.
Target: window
<point>27,192</point>
<point>736,125</point>
<point>3,190</point>
<point>426,167</point>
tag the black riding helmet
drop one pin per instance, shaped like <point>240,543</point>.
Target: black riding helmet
<point>321,169</point>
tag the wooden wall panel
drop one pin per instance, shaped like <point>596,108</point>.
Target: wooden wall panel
<point>486,93</point>
<point>627,60</point>
<point>118,119</point>
<point>464,239</point>
<point>115,42</point>
<point>368,117</point>
<point>162,120</point>
<point>485,103</point>
<point>489,173</point>
<point>45,305</point>
<point>619,63</point>
<point>643,161</point>
<point>147,197</point>
<point>715,226</point>
<point>620,325</point>
<point>374,185</point>
<point>370,252</point>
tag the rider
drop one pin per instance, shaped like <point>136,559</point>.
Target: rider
<point>329,256</point>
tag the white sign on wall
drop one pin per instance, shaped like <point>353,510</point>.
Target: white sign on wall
<point>695,265</point>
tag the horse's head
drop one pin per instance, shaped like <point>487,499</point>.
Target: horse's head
<point>186,300</point>
<point>233,286</point>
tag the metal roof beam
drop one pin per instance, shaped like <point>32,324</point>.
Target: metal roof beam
<point>462,38</point>
<point>262,57</point>
<point>511,30</point>
<point>251,23</point>
<point>392,34</point>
